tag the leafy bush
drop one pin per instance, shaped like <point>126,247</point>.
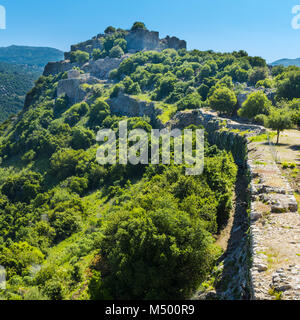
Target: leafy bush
<point>223,100</point>
<point>258,74</point>
<point>289,87</point>
<point>154,255</point>
<point>138,25</point>
<point>191,101</point>
<point>65,161</point>
<point>82,138</point>
<point>256,103</point>
<point>99,111</point>
<point>110,29</point>
<point>23,186</point>
<point>116,52</point>
<point>122,43</point>
<point>19,257</point>
<point>79,56</point>
<point>97,54</point>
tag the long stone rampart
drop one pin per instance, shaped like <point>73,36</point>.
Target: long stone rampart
<point>274,221</point>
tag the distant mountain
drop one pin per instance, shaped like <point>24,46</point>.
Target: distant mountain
<point>286,62</point>
<point>19,67</point>
<point>15,82</point>
<point>39,56</point>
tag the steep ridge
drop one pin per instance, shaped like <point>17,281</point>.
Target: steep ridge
<point>74,229</point>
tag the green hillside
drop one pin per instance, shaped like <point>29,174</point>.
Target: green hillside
<point>15,82</point>
<point>71,228</point>
<point>19,68</point>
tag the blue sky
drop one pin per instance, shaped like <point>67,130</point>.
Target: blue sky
<point>261,27</point>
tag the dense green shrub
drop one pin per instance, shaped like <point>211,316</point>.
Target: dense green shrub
<point>99,111</point>
<point>289,87</point>
<point>138,25</point>
<point>256,103</point>
<point>116,52</point>
<point>23,186</point>
<point>122,43</point>
<point>61,104</point>
<point>258,74</point>
<point>79,56</point>
<point>110,29</point>
<point>97,54</point>
<point>190,101</point>
<point>154,255</point>
<point>223,100</point>
<point>19,257</point>
<point>82,138</point>
<point>65,161</point>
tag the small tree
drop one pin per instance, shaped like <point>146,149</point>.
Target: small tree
<point>80,56</point>
<point>289,87</point>
<point>122,43</point>
<point>110,29</point>
<point>138,25</point>
<point>256,103</point>
<point>279,120</point>
<point>223,100</point>
<point>97,54</point>
<point>116,52</point>
<point>258,74</point>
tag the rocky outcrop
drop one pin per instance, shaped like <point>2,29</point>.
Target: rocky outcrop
<point>137,40</point>
<point>127,105</point>
<point>89,45</point>
<point>101,68</point>
<point>72,87</point>
<point>173,43</point>
<point>53,68</point>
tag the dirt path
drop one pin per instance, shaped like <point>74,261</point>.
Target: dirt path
<point>289,146</point>
<point>289,152</point>
<point>275,224</point>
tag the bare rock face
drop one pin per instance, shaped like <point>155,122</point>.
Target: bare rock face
<point>126,105</point>
<point>183,119</point>
<point>101,68</point>
<point>173,43</point>
<point>72,86</point>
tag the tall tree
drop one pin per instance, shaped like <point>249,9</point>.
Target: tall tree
<point>279,120</point>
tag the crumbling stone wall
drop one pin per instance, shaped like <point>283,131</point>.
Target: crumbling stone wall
<point>273,217</point>
<point>72,86</point>
<point>127,105</point>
